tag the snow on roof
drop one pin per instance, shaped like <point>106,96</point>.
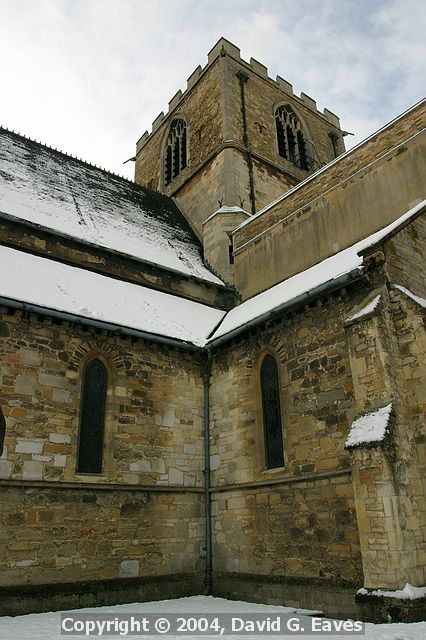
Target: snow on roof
<point>52,285</point>
<point>407,593</point>
<point>421,301</point>
<point>370,428</point>
<point>365,310</point>
<point>324,273</point>
<point>72,198</point>
<point>226,209</point>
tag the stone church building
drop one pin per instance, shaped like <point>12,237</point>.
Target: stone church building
<point>213,377</point>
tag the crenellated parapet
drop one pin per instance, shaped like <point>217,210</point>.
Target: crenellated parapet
<point>222,48</point>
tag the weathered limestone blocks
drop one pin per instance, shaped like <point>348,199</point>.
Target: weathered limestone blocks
<point>154,413</point>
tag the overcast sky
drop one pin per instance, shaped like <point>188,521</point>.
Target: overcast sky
<point>89,76</point>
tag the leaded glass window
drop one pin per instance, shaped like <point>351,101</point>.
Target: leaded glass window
<point>91,440</point>
<point>271,413</point>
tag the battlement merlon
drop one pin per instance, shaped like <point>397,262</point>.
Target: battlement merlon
<point>224,47</point>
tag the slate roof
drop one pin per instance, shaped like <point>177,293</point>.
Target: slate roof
<point>73,198</point>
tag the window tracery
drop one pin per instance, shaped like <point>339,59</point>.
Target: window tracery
<point>175,157</point>
<point>292,144</point>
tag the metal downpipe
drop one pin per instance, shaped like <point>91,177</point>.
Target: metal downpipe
<point>207,496</point>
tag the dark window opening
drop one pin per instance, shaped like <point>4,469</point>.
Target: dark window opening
<point>282,150</point>
<point>301,143</point>
<point>271,413</point>
<point>231,254</point>
<point>334,140</point>
<point>176,151</point>
<point>168,165</point>
<point>292,144</point>
<point>2,430</point>
<point>92,420</point>
<point>183,150</point>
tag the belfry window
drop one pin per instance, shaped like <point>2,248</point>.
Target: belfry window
<point>91,439</point>
<point>292,144</point>
<point>175,156</point>
<point>271,413</point>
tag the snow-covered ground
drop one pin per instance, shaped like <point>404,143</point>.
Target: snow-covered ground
<point>46,626</point>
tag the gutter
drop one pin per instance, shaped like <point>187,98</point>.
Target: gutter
<point>207,493</point>
<point>308,296</point>
<point>98,324</point>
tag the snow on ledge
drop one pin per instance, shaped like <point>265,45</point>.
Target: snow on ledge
<point>407,593</point>
<point>420,301</point>
<point>370,428</point>
<point>366,310</point>
<point>225,209</point>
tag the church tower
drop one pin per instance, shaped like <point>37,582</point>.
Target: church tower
<point>230,144</point>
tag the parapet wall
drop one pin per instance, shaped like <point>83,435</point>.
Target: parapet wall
<point>351,198</point>
<point>224,47</point>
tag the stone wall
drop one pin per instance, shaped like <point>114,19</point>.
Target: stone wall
<point>405,255</point>
<point>202,109</point>
<point>217,169</point>
<point>217,239</point>
<point>273,175</point>
<point>361,192</point>
<point>294,526</point>
<point>142,516</point>
<point>387,349</point>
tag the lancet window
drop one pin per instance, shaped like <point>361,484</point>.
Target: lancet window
<point>271,405</point>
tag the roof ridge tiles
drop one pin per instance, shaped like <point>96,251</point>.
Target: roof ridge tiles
<point>68,155</point>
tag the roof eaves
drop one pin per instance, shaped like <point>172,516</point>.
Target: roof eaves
<point>98,324</point>
<point>290,305</point>
<point>87,243</point>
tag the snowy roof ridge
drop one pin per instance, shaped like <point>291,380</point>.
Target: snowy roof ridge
<point>370,428</point>
<point>368,306</point>
<point>330,164</point>
<point>67,155</point>
<point>418,299</point>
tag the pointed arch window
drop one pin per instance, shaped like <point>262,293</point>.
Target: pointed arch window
<point>175,157</point>
<point>271,405</point>
<point>292,143</point>
<point>92,421</point>
<point>2,430</point>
